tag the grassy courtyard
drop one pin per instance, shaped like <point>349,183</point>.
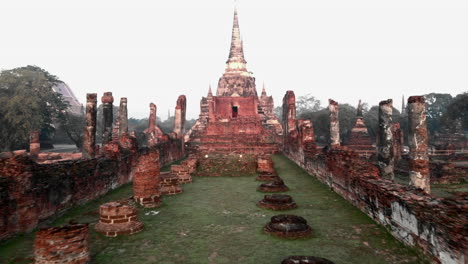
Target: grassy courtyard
<point>216,220</point>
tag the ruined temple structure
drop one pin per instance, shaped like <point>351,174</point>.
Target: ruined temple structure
<point>385,148</point>
<point>418,143</point>
<point>298,135</point>
<point>359,139</point>
<point>89,136</point>
<point>334,123</point>
<point>153,132</point>
<point>236,119</point>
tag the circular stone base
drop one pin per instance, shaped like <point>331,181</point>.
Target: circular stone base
<point>305,259</point>
<point>114,230</point>
<point>288,226</point>
<point>277,202</point>
<point>267,177</point>
<point>273,186</point>
<point>171,190</point>
<point>185,180</point>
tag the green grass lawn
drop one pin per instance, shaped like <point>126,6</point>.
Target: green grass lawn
<point>216,220</point>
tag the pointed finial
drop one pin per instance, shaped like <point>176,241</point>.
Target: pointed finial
<point>359,109</point>
<point>209,91</point>
<point>403,108</point>
<point>264,90</point>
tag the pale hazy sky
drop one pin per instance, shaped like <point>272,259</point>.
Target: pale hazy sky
<point>153,51</point>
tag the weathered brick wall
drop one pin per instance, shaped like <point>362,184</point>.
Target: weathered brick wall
<point>435,225</point>
<point>31,192</point>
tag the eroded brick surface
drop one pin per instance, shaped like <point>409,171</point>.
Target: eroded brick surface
<point>60,245</point>
<point>116,218</point>
<point>146,179</point>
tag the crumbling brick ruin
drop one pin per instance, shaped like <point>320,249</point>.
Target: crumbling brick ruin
<point>385,140</point>
<point>66,244</point>
<point>146,179</point>
<point>107,116</point>
<point>116,218</point>
<point>418,143</point>
<point>236,120</point>
<point>32,192</point>
<point>359,139</point>
<point>34,144</point>
<point>89,136</point>
<point>435,225</point>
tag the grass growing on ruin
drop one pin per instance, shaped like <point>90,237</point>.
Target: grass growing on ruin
<point>216,220</point>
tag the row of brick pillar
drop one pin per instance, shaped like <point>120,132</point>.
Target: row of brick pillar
<point>109,133</point>
<point>418,140</point>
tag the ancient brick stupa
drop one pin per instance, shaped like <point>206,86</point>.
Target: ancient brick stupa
<point>359,139</point>
<point>236,120</point>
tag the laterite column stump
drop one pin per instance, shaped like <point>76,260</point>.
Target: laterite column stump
<point>118,219</point>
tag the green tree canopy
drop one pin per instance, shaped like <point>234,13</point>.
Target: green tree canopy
<point>27,103</point>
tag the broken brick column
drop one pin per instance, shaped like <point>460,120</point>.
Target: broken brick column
<point>146,179</point>
<point>34,144</point>
<point>66,244</point>
<point>123,116</point>
<point>385,140</point>
<point>117,219</point>
<point>153,132</point>
<point>398,141</point>
<point>418,143</point>
<point>334,123</point>
<point>179,118</point>
<point>107,116</point>
<point>89,137</point>
<point>289,112</point>
<point>307,138</point>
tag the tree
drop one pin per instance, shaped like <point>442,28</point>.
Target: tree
<point>278,111</point>
<point>73,126</point>
<point>307,103</point>
<point>436,105</point>
<point>456,113</point>
<point>27,103</point>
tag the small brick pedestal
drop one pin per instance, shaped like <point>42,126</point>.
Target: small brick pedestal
<point>268,176</point>
<point>288,226</point>
<point>277,202</point>
<point>170,184</point>
<point>66,244</point>
<point>305,259</point>
<point>191,163</point>
<point>182,172</point>
<point>273,186</point>
<point>118,219</point>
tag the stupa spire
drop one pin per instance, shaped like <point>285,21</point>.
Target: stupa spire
<point>236,61</point>
<point>264,90</point>
<point>209,91</point>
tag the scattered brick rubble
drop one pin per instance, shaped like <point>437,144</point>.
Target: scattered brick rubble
<point>278,202</point>
<point>66,244</point>
<point>182,172</point>
<point>288,226</point>
<point>118,219</point>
